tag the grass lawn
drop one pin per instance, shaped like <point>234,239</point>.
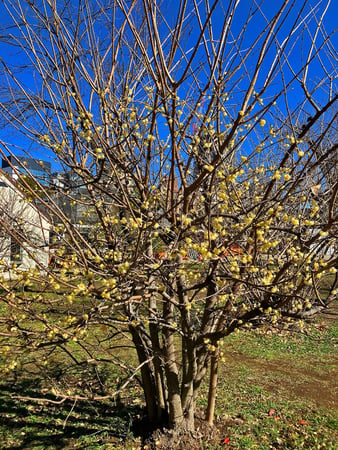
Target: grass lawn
<point>280,391</point>
<point>276,391</point>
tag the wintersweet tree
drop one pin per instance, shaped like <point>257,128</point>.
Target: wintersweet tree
<point>199,145</point>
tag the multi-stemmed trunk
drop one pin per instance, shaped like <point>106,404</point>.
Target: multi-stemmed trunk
<point>172,371</point>
<point>169,399</point>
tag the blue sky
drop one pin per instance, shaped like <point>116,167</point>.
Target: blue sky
<point>12,56</point>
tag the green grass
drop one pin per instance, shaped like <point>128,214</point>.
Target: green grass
<point>314,341</point>
<point>251,383</point>
<point>292,373</point>
<point>37,425</point>
<point>244,405</point>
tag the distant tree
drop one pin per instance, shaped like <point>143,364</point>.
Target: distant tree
<point>183,130</point>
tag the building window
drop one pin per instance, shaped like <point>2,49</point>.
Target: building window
<point>16,251</point>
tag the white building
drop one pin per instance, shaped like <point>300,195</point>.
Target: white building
<point>24,232</point>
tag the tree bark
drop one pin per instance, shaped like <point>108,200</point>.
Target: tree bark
<point>171,370</point>
<point>147,374</point>
<point>188,352</point>
<point>156,347</point>
<point>210,412</point>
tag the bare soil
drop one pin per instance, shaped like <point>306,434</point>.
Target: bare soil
<point>314,383</point>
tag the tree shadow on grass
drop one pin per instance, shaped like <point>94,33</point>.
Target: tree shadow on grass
<point>33,424</point>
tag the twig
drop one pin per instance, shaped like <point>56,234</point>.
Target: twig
<point>71,410</point>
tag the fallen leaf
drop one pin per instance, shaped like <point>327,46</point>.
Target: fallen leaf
<point>226,440</point>
<point>272,412</point>
<point>302,422</point>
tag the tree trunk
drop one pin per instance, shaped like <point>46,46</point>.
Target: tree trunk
<point>188,353</point>
<point>147,374</point>
<point>171,371</point>
<point>158,375</point>
<point>187,388</point>
<point>210,412</point>
<point>156,347</point>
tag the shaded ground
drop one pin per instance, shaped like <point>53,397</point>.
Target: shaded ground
<point>26,424</point>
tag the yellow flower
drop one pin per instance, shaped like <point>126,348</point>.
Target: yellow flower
<point>276,175</point>
<point>262,122</point>
<point>209,168</point>
<point>294,221</point>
